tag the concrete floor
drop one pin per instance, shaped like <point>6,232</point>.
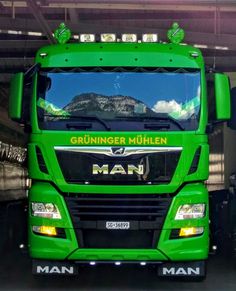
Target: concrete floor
<point>15,274</point>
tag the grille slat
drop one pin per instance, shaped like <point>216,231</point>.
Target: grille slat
<point>107,199</point>
<point>118,207</point>
<point>119,214</point>
<point>144,212</point>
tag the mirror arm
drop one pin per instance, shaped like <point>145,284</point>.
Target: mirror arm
<point>31,71</point>
<point>210,126</point>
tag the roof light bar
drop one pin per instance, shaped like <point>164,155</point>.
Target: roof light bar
<point>108,37</point>
<point>129,37</point>
<point>149,37</point>
<point>87,37</point>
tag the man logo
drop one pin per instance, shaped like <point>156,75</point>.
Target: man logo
<point>117,169</point>
<point>181,271</point>
<point>118,151</point>
<point>55,270</point>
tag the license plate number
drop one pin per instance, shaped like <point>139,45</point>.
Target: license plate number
<point>117,225</point>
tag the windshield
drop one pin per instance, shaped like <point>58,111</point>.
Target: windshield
<point>124,100</point>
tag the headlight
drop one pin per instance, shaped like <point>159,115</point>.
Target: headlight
<point>47,210</point>
<point>190,211</point>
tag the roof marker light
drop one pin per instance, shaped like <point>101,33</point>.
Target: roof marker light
<point>129,37</point>
<point>43,55</point>
<point>194,54</point>
<point>87,37</point>
<point>150,37</point>
<point>108,37</point>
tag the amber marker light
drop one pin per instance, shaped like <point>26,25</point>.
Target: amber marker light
<point>190,231</point>
<point>46,230</point>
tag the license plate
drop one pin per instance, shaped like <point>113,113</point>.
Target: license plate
<point>117,225</point>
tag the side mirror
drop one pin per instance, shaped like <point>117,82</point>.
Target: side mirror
<point>232,121</point>
<point>222,95</point>
<point>16,96</point>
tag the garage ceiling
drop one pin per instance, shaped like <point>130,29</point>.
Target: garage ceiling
<point>27,25</point>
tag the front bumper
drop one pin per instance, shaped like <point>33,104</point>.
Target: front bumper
<point>194,269</point>
<point>181,249</point>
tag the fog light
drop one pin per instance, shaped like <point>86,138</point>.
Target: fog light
<point>190,231</point>
<point>46,230</point>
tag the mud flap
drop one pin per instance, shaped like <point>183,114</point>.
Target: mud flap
<point>182,269</point>
<point>54,268</point>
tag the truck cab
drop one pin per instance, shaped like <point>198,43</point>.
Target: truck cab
<point>118,155</point>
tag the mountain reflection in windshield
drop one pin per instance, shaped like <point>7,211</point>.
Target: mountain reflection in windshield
<point>95,103</point>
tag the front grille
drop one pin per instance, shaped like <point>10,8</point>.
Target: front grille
<point>77,167</point>
<point>145,214</point>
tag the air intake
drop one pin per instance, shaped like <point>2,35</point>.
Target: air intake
<point>41,162</point>
<point>195,161</point>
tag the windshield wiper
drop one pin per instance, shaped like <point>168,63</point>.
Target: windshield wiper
<point>155,126</point>
<point>78,117</point>
<point>158,118</point>
<point>166,118</point>
<point>78,125</point>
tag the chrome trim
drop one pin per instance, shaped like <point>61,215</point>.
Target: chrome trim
<point>128,151</point>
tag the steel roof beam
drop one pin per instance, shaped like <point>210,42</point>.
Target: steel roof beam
<point>24,45</point>
<point>35,9</point>
<point>73,16</point>
<point>130,5</point>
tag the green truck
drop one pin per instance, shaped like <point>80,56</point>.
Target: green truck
<point>118,152</point>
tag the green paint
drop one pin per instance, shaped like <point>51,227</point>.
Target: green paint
<point>222,92</point>
<point>175,34</point>
<point>62,34</point>
<point>16,96</point>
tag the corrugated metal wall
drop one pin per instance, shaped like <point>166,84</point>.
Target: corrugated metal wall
<point>216,179</point>
<point>13,172</point>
